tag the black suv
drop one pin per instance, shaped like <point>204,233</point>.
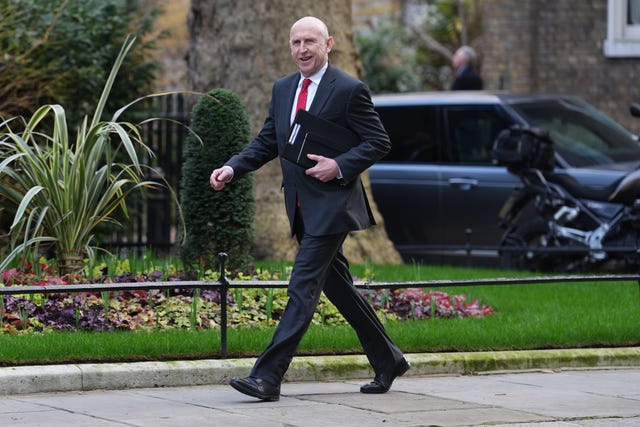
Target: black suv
<point>439,190</point>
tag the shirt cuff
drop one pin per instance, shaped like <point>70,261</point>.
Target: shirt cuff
<point>231,170</point>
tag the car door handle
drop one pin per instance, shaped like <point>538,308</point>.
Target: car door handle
<point>463,183</point>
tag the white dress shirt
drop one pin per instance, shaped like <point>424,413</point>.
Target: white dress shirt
<point>312,89</point>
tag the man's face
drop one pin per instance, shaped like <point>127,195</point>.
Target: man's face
<point>458,59</point>
<point>309,48</point>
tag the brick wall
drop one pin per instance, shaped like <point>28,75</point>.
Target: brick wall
<point>556,46</point>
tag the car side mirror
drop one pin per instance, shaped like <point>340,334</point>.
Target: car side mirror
<point>634,109</point>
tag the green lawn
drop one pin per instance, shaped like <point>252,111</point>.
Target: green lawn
<point>535,316</point>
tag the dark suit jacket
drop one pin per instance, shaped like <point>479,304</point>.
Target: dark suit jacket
<point>468,79</point>
<point>338,206</point>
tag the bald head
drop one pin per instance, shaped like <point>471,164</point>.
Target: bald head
<point>310,45</point>
<point>311,21</point>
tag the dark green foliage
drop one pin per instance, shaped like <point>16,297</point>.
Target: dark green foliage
<point>388,65</point>
<point>61,52</point>
<point>216,221</point>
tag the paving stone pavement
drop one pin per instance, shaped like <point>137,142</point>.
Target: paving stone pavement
<point>587,396</point>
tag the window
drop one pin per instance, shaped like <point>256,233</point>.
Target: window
<point>582,135</point>
<point>471,133</point>
<point>623,28</point>
<point>412,133</point>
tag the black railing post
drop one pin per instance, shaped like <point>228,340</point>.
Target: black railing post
<point>467,233</point>
<point>224,290</point>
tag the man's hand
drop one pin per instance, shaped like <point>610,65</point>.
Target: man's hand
<point>219,177</point>
<point>325,170</point>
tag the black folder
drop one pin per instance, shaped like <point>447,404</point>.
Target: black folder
<point>313,135</point>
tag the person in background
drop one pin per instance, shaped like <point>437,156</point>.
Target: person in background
<point>323,203</point>
<point>466,77</point>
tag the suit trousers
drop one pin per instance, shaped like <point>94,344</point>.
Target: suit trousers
<point>320,266</point>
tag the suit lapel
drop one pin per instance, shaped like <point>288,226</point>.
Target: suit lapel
<point>291,87</point>
<point>326,87</point>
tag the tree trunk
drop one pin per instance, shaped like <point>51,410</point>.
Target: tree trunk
<point>243,46</point>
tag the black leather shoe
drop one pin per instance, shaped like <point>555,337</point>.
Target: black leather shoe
<point>382,382</point>
<point>255,387</point>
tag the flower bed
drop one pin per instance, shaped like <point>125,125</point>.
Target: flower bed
<point>186,308</point>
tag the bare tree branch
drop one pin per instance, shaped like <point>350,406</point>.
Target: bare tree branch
<point>431,43</point>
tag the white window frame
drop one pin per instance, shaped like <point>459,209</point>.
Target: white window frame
<point>622,40</point>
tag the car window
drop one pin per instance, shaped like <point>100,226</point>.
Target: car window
<point>471,132</point>
<point>412,130</point>
<point>581,134</point>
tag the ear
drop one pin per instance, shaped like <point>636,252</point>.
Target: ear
<point>329,43</point>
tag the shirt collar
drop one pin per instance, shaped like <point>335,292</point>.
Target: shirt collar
<point>316,77</point>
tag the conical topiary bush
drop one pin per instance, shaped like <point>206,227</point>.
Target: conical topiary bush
<point>216,221</point>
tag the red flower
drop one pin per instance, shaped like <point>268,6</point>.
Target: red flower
<point>8,275</point>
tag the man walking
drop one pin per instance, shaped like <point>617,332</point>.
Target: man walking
<point>466,77</point>
<point>323,203</point>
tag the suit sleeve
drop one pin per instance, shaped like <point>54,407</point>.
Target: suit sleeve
<point>261,150</point>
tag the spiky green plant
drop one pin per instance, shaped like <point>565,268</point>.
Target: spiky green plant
<point>61,188</point>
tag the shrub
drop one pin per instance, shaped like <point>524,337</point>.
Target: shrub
<point>216,221</point>
<point>61,187</point>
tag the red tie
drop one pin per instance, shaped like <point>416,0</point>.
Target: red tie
<point>302,97</point>
<point>302,105</point>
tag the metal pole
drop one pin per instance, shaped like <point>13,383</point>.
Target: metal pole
<point>224,288</point>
